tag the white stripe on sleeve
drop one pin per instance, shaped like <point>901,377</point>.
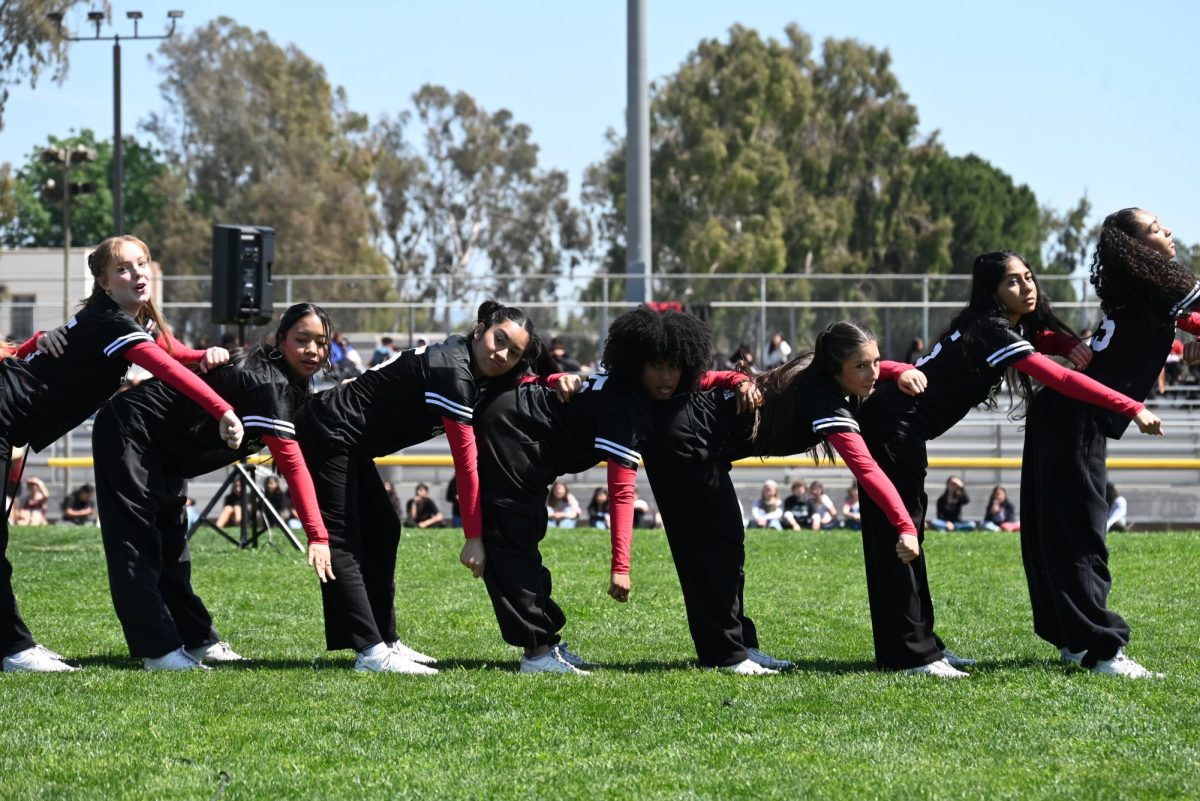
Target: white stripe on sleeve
<point>441,400</point>
<point>1009,350</point>
<point>122,341</point>
<point>618,450</point>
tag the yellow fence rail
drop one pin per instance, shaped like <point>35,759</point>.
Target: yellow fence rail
<point>951,462</point>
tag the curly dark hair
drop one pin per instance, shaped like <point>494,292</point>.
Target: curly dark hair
<point>641,336</point>
<point>1128,274</point>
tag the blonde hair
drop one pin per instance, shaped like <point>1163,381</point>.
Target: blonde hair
<point>106,254</point>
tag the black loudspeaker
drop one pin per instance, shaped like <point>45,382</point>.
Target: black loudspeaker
<point>243,256</point>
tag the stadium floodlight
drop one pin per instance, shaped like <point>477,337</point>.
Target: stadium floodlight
<point>118,159</point>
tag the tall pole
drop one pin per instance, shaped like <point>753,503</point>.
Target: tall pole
<point>66,474</point>
<point>639,286</point>
<point>118,165</point>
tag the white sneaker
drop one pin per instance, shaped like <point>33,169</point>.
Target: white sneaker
<point>955,660</point>
<point>390,662</point>
<point>217,652</point>
<point>1121,665</point>
<point>748,667</point>
<point>571,658</point>
<point>766,660</point>
<point>941,669</point>
<point>404,652</point>
<point>1069,657</point>
<point>549,662</point>
<point>179,659</point>
<point>36,659</point>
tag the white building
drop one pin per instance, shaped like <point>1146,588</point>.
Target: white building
<point>31,288</point>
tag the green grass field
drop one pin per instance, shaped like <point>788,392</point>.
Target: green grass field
<point>298,722</point>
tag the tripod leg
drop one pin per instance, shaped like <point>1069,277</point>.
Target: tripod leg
<point>204,521</point>
<point>273,516</point>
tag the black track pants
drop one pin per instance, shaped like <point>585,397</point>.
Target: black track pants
<point>14,635</point>
<point>704,529</point>
<point>901,609</point>
<point>141,506</point>
<point>364,536</point>
<point>1064,529</point>
<point>517,581</point>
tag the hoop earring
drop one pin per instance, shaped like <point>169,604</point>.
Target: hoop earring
<point>275,354</point>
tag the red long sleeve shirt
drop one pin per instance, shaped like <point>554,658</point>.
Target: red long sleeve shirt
<point>466,474</point>
<point>156,361</point>
<point>1077,385</point>
<point>872,479</point>
<point>290,461</point>
<point>621,483</point>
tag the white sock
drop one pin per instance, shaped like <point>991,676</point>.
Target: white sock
<point>374,651</point>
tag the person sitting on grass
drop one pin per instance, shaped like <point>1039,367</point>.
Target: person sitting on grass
<point>824,510</point>
<point>79,508</point>
<point>950,506</point>
<point>562,508</point>
<point>422,512</point>
<point>598,509</point>
<point>797,509</point>
<point>767,511</point>
<point>851,516</point>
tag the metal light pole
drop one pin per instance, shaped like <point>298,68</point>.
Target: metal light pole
<point>64,194</point>
<point>118,164</point>
<point>639,286</point>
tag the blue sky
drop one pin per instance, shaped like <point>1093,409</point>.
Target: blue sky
<point>1065,96</point>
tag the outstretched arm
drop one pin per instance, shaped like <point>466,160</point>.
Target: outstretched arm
<point>292,466</point>
<point>880,488</point>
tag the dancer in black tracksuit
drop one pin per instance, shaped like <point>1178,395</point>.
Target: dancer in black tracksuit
<point>147,444</point>
<point>1145,296</point>
<point>76,368</point>
<point>410,398</point>
<point>964,369</point>
<point>697,435</point>
<point>527,439</point>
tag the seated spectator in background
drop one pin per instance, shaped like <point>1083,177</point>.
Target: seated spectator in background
<point>1000,515</point>
<point>824,512</point>
<point>344,358</point>
<point>643,515</point>
<point>743,359</point>
<point>80,506</point>
<point>851,516</point>
<point>558,352</point>
<point>275,494</point>
<point>950,506</point>
<point>916,349</point>
<point>778,351</point>
<point>231,512</point>
<point>562,509</point>
<point>452,499</point>
<point>797,510</point>
<point>30,508</point>
<point>393,498</point>
<point>767,511</point>
<point>422,512</point>
<point>1117,509</point>
<point>387,346</point>
<point>1173,369</point>
<point>598,509</point>
<point>193,514</point>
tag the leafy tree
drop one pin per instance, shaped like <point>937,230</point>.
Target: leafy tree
<point>257,135</point>
<point>37,222</point>
<point>30,43</point>
<point>472,196</point>
<point>987,210</point>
